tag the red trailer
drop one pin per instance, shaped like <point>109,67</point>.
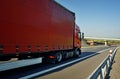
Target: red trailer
<point>37,28</point>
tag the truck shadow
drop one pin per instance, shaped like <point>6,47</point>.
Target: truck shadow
<point>84,54</point>
<point>13,74</point>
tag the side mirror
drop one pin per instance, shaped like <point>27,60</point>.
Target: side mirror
<point>79,35</point>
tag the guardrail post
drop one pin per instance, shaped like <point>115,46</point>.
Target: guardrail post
<point>110,56</point>
<point>107,66</point>
<point>104,72</point>
<point>108,61</point>
<point>100,75</point>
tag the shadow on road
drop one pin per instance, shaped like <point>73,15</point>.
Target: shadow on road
<point>20,72</point>
<point>84,54</point>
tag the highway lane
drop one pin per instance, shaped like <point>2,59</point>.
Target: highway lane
<point>80,70</point>
<point>62,73</point>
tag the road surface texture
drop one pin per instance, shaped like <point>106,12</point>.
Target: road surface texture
<point>80,70</point>
<point>115,69</point>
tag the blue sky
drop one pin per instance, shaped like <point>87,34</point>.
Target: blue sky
<point>96,18</point>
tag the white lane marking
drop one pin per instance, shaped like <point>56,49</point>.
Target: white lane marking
<point>53,68</point>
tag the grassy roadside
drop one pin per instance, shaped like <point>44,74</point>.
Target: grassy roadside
<point>102,42</point>
<point>92,46</point>
<point>115,69</point>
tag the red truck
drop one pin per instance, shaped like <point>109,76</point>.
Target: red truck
<point>38,28</point>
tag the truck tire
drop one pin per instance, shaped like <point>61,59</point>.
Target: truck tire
<point>77,52</point>
<point>59,57</point>
<point>66,55</point>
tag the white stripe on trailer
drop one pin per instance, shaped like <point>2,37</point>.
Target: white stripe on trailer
<point>19,63</point>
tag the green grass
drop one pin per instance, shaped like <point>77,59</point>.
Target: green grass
<point>110,42</point>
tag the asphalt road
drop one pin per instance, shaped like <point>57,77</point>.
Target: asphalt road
<point>79,70</point>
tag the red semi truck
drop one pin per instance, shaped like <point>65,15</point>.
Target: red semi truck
<point>34,28</point>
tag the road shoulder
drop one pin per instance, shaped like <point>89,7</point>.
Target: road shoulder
<point>115,69</point>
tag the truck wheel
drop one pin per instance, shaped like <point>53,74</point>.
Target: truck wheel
<point>59,57</point>
<point>66,55</point>
<point>77,52</point>
<point>53,57</point>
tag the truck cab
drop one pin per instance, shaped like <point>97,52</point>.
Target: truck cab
<point>77,37</point>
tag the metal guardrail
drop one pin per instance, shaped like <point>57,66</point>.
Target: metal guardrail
<point>103,69</point>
